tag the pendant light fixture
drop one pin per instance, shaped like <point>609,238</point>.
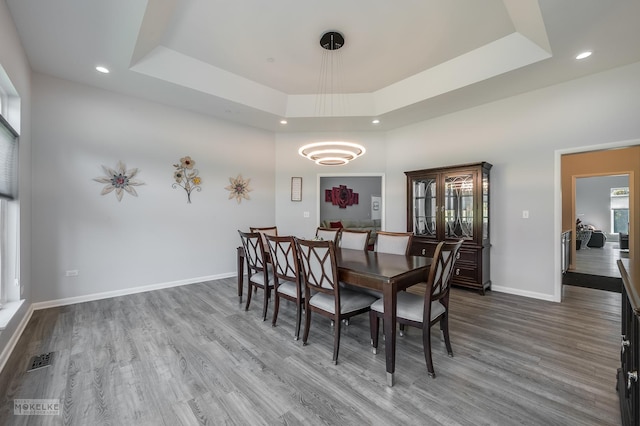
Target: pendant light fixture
<point>330,153</point>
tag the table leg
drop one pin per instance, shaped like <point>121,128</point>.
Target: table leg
<point>390,298</point>
<point>240,266</point>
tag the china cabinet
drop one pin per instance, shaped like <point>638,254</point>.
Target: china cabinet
<point>448,203</point>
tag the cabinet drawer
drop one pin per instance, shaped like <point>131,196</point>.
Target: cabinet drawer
<point>467,255</point>
<point>423,248</point>
<point>468,273</point>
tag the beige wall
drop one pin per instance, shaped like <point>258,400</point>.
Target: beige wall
<point>601,163</point>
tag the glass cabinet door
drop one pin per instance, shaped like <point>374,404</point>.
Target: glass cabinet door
<point>485,206</point>
<point>458,206</point>
<point>424,207</point>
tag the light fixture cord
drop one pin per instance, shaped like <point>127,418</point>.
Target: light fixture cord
<point>330,94</point>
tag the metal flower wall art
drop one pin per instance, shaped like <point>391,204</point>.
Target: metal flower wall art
<point>239,188</point>
<point>119,180</point>
<point>186,177</point>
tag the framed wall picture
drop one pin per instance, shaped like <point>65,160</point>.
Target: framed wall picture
<point>296,189</point>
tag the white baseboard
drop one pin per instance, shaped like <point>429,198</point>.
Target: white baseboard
<point>525,293</point>
<point>133,290</point>
<point>13,341</point>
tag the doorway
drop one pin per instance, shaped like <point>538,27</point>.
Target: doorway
<point>369,193</point>
<point>580,171</point>
<point>602,206</point>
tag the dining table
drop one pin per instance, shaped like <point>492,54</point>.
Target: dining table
<point>387,273</point>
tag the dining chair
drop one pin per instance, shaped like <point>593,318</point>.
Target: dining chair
<point>425,311</point>
<point>354,239</point>
<point>283,254</point>
<point>328,234</point>
<point>323,294</point>
<point>259,271</point>
<point>393,242</point>
<point>269,230</point>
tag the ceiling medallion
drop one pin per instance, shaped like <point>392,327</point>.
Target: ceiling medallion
<point>333,153</point>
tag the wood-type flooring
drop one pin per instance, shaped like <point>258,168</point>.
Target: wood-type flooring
<point>191,355</point>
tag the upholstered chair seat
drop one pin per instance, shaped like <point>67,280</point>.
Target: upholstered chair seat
<point>411,307</point>
<point>349,301</point>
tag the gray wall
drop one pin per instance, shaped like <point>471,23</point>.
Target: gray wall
<point>523,137</point>
<point>363,185</point>
<point>154,239</point>
<point>593,198</point>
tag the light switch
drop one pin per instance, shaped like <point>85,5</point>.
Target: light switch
<point>306,214</point>
<point>525,214</point>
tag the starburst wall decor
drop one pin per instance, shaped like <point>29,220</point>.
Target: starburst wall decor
<point>239,188</point>
<point>119,180</point>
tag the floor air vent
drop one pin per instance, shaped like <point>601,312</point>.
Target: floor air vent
<point>40,361</point>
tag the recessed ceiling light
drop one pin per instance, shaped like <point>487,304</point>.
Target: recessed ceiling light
<point>376,121</point>
<point>102,69</point>
<point>584,54</point>
<point>283,121</point>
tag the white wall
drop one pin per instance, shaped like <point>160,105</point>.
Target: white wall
<point>289,214</point>
<point>593,200</point>
<point>155,238</point>
<point>14,61</point>
<point>520,137</point>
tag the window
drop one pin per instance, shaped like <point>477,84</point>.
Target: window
<point>10,291</point>
<point>620,210</point>
<point>8,212</point>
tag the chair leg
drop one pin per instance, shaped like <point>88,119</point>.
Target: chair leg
<point>307,322</point>
<point>265,303</point>
<point>426,343</point>
<point>402,330</point>
<point>374,323</point>
<point>246,307</point>
<point>276,308</point>
<point>444,325</point>
<point>336,340</point>
<point>298,320</point>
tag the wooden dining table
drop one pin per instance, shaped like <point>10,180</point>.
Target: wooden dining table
<point>388,273</point>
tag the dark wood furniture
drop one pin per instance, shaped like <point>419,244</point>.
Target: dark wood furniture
<point>329,234</point>
<point>354,238</point>
<point>323,293</point>
<point>393,242</point>
<point>427,310</point>
<point>388,273</point>
<point>258,275</point>
<point>627,380</point>
<point>283,255</point>
<point>449,203</point>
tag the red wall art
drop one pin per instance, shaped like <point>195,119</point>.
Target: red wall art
<point>341,196</point>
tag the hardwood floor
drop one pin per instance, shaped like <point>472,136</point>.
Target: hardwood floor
<point>191,355</point>
<point>600,261</point>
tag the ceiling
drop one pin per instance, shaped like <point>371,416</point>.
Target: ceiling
<point>256,62</point>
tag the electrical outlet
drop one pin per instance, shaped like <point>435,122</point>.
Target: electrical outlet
<point>306,214</point>
<point>72,273</point>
